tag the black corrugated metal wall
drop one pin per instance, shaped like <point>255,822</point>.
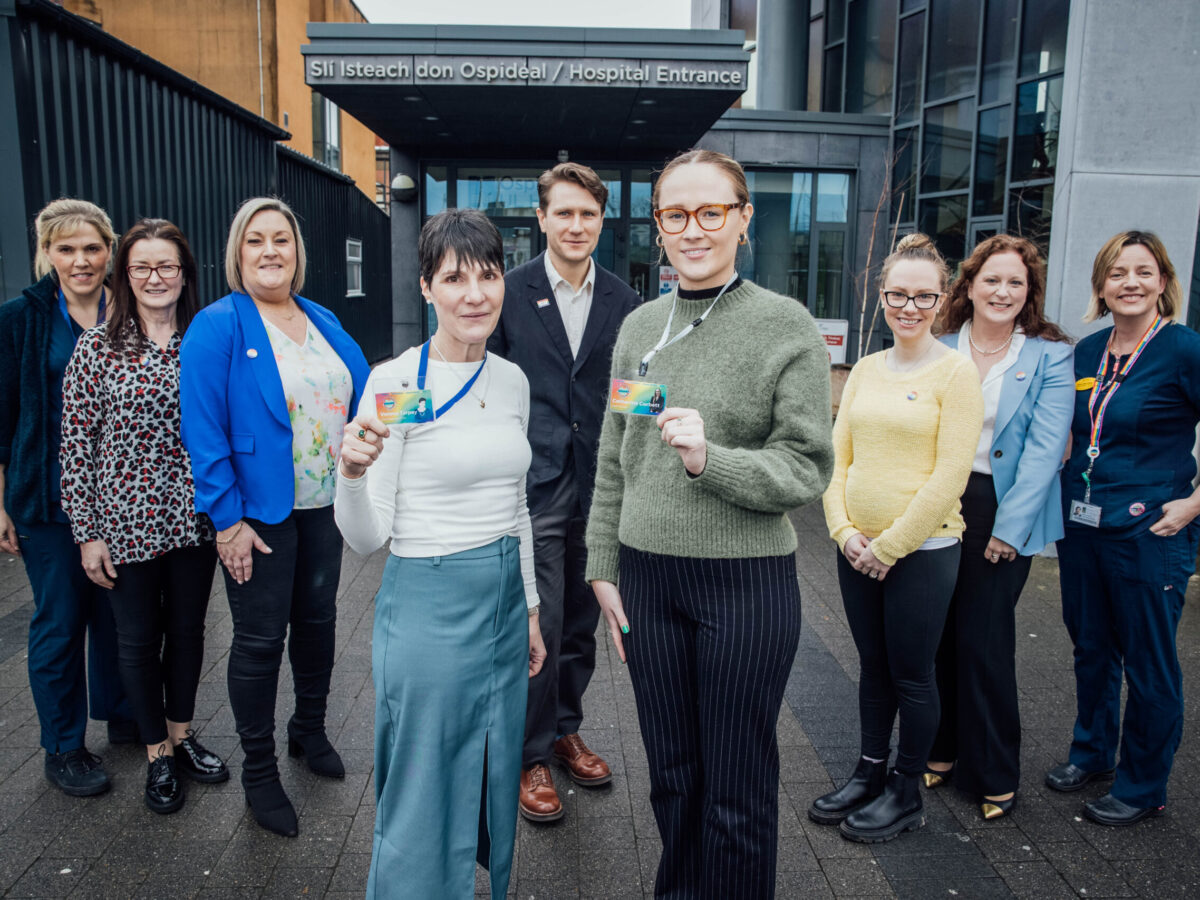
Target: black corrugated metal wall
<point>98,120</point>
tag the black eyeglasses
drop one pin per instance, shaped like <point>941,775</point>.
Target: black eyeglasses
<point>899,300</point>
<point>166,273</point>
<point>710,217</point>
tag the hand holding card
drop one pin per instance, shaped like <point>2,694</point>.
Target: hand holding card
<point>683,429</point>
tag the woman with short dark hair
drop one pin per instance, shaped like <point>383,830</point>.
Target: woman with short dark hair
<point>127,487</point>
<point>456,617</point>
<point>267,384</point>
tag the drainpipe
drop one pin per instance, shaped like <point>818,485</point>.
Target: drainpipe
<point>262,103</point>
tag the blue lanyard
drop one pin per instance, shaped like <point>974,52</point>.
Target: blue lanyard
<point>71,323</point>
<point>445,407</point>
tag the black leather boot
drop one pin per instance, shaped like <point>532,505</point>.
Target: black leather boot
<point>899,808</point>
<point>272,809</point>
<point>322,759</point>
<point>864,786</point>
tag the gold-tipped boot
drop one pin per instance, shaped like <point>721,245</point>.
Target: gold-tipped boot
<point>933,778</point>
<point>994,809</point>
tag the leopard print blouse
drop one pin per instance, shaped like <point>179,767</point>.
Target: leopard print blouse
<point>126,477</point>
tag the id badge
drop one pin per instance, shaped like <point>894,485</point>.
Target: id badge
<point>404,407</point>
<point>637,398</point>
<point>1085,513</point>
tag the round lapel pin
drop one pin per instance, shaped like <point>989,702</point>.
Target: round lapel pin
<point>911,395</point>
<point>252,353</point>
<point>1021,376</point>
<point>1136,509</point>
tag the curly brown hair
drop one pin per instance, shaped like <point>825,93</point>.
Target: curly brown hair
<point>1031,319</point>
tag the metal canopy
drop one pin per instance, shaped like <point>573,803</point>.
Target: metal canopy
<point>509,92</point>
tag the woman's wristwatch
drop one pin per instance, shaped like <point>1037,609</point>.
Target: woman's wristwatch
<point>533,610</point>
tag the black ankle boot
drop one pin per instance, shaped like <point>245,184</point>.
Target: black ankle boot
<point>322,759</point>
<point>864,786</point>
<point>272,809</point>
<point>898,808</point>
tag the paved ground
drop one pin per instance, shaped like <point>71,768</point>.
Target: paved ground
<point>54,846</point>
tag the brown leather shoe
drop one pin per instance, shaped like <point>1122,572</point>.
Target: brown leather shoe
<point>586,767</point>
<point>538,799</point>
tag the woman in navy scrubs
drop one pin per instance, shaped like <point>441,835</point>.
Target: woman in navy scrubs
<point>1131,534</point>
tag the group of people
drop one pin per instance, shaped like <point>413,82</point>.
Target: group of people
<point>144,437</point>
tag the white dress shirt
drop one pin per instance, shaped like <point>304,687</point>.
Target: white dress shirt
<point>992,383</point>
<point>573,305</point>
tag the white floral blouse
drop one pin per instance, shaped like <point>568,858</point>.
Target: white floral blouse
<point>318,389</point>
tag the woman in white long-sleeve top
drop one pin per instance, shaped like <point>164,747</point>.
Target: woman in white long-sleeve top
<point>456,623</point>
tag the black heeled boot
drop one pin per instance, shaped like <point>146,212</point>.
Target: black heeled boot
<point>272,809</point>
<point>322,759</point>
<point>864,786</point>
<point>899,808</point>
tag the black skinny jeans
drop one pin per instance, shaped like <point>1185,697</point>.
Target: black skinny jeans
<point>159,607</point>
<point>897,625</point>
<point>295,585</point>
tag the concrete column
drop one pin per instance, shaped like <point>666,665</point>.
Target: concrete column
<point>782,54</point>
<point>408,307</point>
<point>1128,139</point>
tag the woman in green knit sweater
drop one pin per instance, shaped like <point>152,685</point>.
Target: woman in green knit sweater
<point>690,551</point>
<point>905,438</point>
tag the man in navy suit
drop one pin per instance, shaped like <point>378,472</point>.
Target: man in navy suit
<point>559,323</point>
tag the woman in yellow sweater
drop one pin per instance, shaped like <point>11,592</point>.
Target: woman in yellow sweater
<point>904,442</point>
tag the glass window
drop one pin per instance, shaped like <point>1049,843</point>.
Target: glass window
<point>946,147</point>
<point>499,192</point>
<point>908,74</point>
<point>904,181</point>
<point>869,56</point>
<point>642,256</point>
<point>908,5</point>
<point>436,184</point>
<point>816,44</point>
<point>835,20</point>
<point>953,39</point>
<point>999,50</point>
<point>354,261</point>
<point>779,231</point>
<point>945,220</point>
<point>327,132</point>
<point>991,159</point>
<point>612,180</point>
<point>831,260</point>
<point>1044,36</point>
<point>833,196</point>
<point>831,80</point>
<point>1193,310</point>
<point>640,206</point>
<point>1035,144</point>
<point>1029,211</point>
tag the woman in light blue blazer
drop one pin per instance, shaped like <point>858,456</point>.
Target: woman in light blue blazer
<point>268,381</point>
<point>1012,507</point>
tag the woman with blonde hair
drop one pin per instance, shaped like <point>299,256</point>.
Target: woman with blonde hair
<point>1012,508</point>
<point>268,382</point>
<point>38,333</point>
<point>690,551</point>
<point>1131,529</point>
<point>904,440</point>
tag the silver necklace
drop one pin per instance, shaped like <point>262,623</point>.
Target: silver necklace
<point>912,365</point>
<point>482,404</point>
<point>981,351</point>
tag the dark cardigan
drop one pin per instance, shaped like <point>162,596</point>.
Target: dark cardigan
<point>25,424</point>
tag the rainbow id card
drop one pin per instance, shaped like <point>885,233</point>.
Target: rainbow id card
<point>404,407</point>
<point>637,398</point>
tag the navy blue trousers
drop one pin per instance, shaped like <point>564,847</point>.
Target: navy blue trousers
<point>67,608</point>
<point>1122,598</point>
<point>710,646</point>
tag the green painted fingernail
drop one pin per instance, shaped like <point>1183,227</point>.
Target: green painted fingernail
<point>624,629</point>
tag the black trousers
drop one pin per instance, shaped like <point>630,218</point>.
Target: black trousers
<point>897,624</point>
<point>159,606</point>
<point>710,646</point>
<point>980,729</point>
<point>293,586</point>
<point>568,618</point>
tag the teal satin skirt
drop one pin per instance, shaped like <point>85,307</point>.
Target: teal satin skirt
<point>450,655</point>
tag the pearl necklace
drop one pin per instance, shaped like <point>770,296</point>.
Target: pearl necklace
<point>438,351</point>
<point>981,351</point>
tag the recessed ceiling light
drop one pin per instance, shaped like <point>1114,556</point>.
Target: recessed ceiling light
<point>431,118</point>
<point>647,102</point>
<point>443,134</point>
<point>637,121</point>
<point>413,98</point>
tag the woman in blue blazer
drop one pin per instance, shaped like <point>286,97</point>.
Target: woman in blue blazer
<point>268,381</point>
<point>1012,507</point>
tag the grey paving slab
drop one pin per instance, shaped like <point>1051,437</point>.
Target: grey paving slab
<point>607,845</point>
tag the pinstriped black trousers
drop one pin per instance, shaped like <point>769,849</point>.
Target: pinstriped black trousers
<point>710,646</point>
